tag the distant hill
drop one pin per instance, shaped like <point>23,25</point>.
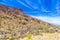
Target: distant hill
<point>13,22</point>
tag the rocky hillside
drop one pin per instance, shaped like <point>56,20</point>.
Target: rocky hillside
<point>14,24</point>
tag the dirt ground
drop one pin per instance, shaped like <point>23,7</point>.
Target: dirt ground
<point>45,36</point>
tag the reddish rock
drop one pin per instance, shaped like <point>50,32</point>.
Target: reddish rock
<point>7,9</point>
<point>4,8</point>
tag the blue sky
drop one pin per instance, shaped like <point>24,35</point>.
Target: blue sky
<point>46,10</point>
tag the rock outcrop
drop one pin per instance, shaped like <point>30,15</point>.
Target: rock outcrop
<point>7,9</point>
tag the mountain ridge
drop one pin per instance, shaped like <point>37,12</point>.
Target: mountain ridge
<point>7,9</point>
<point>19,25</point>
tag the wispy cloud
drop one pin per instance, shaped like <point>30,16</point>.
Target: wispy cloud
<point>44,10</point>
<point>42,7</point>
<point>23,4</point>
<point>53,20</point>
<point>31,4</point>
<point>58,7</point>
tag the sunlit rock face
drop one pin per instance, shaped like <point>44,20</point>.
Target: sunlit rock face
<point>7,9</point>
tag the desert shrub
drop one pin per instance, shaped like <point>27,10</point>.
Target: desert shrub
<point>45,29</point>
<point>12,38</point>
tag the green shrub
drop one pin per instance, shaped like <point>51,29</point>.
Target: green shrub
<point>12,38</point>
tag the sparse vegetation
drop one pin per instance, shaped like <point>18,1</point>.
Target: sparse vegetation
<point>20,25</point>
<point>13,24</point>
<point>29,36</point>
<point>12,38</point>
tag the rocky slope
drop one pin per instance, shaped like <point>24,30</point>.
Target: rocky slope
<point>14,24</point>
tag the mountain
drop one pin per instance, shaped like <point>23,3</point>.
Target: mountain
<point>14,23</point>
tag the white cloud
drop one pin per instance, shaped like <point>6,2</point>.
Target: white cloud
<point>29,3</point>
<point>58,7</point>
<point>34,6</point>
<point>23,3</point>
<point>44,10</point>
<point>53,20</point>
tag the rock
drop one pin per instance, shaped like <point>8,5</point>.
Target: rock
<point>7,9</point>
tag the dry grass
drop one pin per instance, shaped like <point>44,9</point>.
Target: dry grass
<point>45,36</point>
